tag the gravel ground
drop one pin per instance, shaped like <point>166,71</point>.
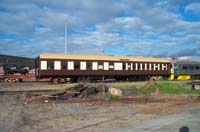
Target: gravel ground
<point>32,85</point>
<point>15,116</point>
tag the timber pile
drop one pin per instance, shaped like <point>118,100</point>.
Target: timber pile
<point>81,90</point>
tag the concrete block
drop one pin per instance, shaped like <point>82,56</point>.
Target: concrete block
<point>115,91</point>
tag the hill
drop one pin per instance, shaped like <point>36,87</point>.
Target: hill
<point>8,61</point>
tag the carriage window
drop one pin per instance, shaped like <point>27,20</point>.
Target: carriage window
<point>83,65</point>
<point>57,65</point>
<point>184,67</point>
<point>150,66</point>
<point>100,67</point>
<point>70,65</point>
<point>117,66</point>
<point>128,66</point>
<point>94,66</point>
<point>156,66</point>
<point>136,66</point>
<point>196,67</point>
<point>43,65</point>
<point>106,66</point>
<point>141,66</point>
<point>164,66</point>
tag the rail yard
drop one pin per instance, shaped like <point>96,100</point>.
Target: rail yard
<point>100,93</point>
<point>42,106</point>
<point>99,66</point>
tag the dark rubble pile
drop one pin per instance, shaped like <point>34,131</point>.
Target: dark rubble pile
<point>80,91</point>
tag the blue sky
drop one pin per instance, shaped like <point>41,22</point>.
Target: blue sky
<point>158,28</point>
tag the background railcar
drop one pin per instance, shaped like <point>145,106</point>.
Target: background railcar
<point>186,70</point>
<point>74,67</point>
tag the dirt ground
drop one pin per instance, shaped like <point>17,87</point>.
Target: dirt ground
<point>17,116</point>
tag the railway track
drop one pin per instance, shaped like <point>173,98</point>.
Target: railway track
<point>122,100</point>
<point>26,90</point>
<point>29,87</point>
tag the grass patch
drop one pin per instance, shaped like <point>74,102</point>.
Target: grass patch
<point>165,87</point>
<point>132,87</point>
<point>125,85</point>
<point>63,88</point>
<point>110,97</point>
<point>173,88</point>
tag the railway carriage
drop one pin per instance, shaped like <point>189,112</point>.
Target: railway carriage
<point>62,68</point>
<point>185,70</point>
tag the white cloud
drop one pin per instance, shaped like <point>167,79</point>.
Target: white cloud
<point>194,7</point>
<point>16,23</point>
<point>120,23</point>
<point>184,58</point>
<point>93,41</point>
<point>123,27</point>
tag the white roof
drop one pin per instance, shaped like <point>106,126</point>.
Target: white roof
<point>102,57</point>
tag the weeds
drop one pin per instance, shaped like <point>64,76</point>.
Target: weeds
<point>165,87</point>
<point>173,88</point>
<point>110,97</point>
